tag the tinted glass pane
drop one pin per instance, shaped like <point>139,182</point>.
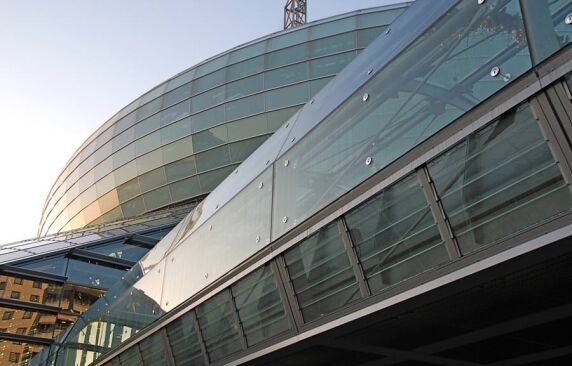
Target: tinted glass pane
<point>327,46</point>
<point>175,112</point>
<point>208,99</point>
<point>120,249</point>
<point>147,125</point>
<point>207,119</point>
<point>209,81</point>
<point>181,169</point>
<point>152,180</point>
<point>178,149</point>
<point>395,235</point>
<point>153,350</point>
<point>287,56</point>
<point>176,95</point>
<point>288,96</point>
<point>247,127</point>
<point>286,75</point>
<point>55,265</point>
<point>148,143</point>
<point>260,307</point>
<point>128,190</point>
<point>184,342</point>
<point>92,274</point>
<point>277,118</point>
<point>330,65</point>
<point>213,158</point>
<point>243,87</point>
<point>149,109</point>
<point>546,27</point>
<point>210,138</point>
<point>150,160</point>
<point>185,189</point>
<point>134,207</point>
<point>157,198</point>
<point>131,357</point>
<point>219,327</point>
<point>78,299</point>
<point>239,151</point>
<point>18,353</point>
<point>176,130</point>
<point>34,291</point>
<point>500,180</point>
<point>27,322</point>
<point>212,179</point>
<point>321,274</point>
<point>366,36</point>
<point>244,107</point>
<point>245,68</point>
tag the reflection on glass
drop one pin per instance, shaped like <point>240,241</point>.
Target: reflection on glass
<point>395,235</point>
<point>321,274</point>
<point>28,290</point>
<point>91,274</point>
<point>120,249</point>
<point>499,180</point>
<point>54,265</point>
<point>184,341</point>
<point>18,353</point>
<point>153,350</point>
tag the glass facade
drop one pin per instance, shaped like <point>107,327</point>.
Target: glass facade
<point>215,113</point>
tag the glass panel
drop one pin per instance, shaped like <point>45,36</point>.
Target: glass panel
<point>329,28</point>
<point>330,65</point>
<point>207,99</point>
<point>247,52</point>
<point>152,180</point>
<point>120,249</point>
<point>245,68</point>
<point>321,274</point>
<point>92,274</point>
<point>178,149</point>
<point>296,37</point>
<point>63,322</point>
<point>184,342</point>
<point>149,109</point>
<point>176,95</point>
<point>128,190</point>
<point>285,97</point>
<point>287,56</point>
<point>243,87</point>
<point>131,357</point>
<point>175,112</point>
<point>55,265</point>
<point>208,118</point>
<point>153,350</point>
<point>213,158</point>
<point>181,169</point>
<point>218,326</point>
<point>546,27</point>
<point>185,189</point>
<point>18,353</point>
<point>247,127</point>
<point>148,143</point>
<point>212,179</point>
<point>226,226</point>
<point>123,139</point>
<point>27,322</point>
<point>277,118</point>
<point>175,131</point>
<point>500,180</point>
<point>440,76</point>
<point>134,207</point>
<point>147,125</point>
<point>379,18</point>
<point>286,75</point>
<point>241,150</point>
<point>260,306</point>
<point>28,290</point>
<point>336,44</point>
<point>209,138</point>
<point>244,107</point>
<point>317,85</point>
<point>211,65</point>
<point>150,161</point>
<point>366,36</point>
<point>157,198</point>
<point>207,82</point>
<point>78,299</point>
<point>108,201</point>
<point>395,235</point>
<point>123,156</point>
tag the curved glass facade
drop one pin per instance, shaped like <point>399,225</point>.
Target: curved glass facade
<point>219,278</point>
<point>181,139</point>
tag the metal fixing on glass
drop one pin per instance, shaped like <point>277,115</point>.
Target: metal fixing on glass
<point>387,30</point>
<point>481,2</point>
<point>286,162</point>
<point>495,71</point>
<point>285,219</point>
<point>292,139</point>
<point>368,160</point>
<point>369,71</point>
<point>260,185</point>
<point>568,19</point>
<point>206,275</point>
<point>257,238</point>
<point>365,97</point>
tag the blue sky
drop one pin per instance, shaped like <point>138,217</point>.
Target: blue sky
<point>66,66</point>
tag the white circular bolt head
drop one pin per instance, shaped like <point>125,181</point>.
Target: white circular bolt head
<point>369,71</point>
<point>285,219</point>
<point>481,2</point>
<point>210,227</point>
<point>206,275</point>
<point>495,71</point>
<point>568,19</point>
<point>368,160</point>
<point>365,97</point>
<point>260,185</point>
<point>286,162</point>
<point>258,239</point>
<point>388,30</point>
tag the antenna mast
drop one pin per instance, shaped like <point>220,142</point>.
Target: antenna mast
<point>294,13</point>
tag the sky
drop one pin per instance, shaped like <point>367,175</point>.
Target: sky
<point>66,66</point>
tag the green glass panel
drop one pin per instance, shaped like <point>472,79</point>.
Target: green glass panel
<point>219,327</point>
<point>123,156</point>
<point>134,207</point>
<point>186,188</point>
<point>245,68</point>
<point>184,342</point>
<point>287,96</point>
<point>178,149</point>
<point>149,161</point>
<point>212,65</point>
<point>247,127</point>
<point>212,179</point>
<point>152,179</point>
<point>209,118</point>
<point>213,158</point>
<point>148,143</point>
<point>181,169</point>
<point>175,112</point>
<point>500,180</point>
<point>91,274</point>
<point>546,26</point>
<point>366,36</point>
<point>241,150</point>
<point>330,65</point>
<point>175,131</point>
<point>318,84</point>
<point>335,44</point>
<point>277,118</point>
<point>207,99</point>
<point>120,249</point>
<point>321,274</point>
<point>244,107</point>
<point>287,56</point>
<point>330,28</point>
<point>286,75</point>
<point>395,235</point>
<point>150,108</point>
<point>157,198</point>
<point>243,87</point>
<point>131,357</point>
<point>128,190</point>
<point>210,138</point>
<point>379,18</point>
<point>122,139</point>
<point>208,82</point>
<point>54,265</point>
<point>176,95</point>
<point>247,52</point>
<point>147,125</point>
<point>295,37</point>
<point>153,350</point>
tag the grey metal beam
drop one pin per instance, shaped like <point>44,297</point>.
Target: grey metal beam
<point>290,294</point>
<point>237,321</point>
<point>167,345</point>
<point>201,339</point>
<point>288,306</point>
<point>355,263</point>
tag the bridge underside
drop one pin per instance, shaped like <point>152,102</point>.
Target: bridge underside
<point>516,313</point>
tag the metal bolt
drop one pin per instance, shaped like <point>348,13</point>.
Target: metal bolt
<point>285,219</point>
<point>292,139</point>
<point>206,275</point>
<point>568,19</point>
<point>368,160</point>
<point>287,124</point>
<point>267,162</point>
<point>495,71</point>
<point>387,30</point>
<point>172,259</point>
<point>167,303</point>
<point>236,171</point>
<point>260,185</point>
<point>286,162</point>
<point>365,97</point>
<point>216,207</point>
<point>210,227</point>
<point>258,239</point>
<point>481,2</point>
<point>312,101</point>
<point>369,71</point>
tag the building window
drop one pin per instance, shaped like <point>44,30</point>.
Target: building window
<point>27,315</point>
<point>21,331</point>
<point>14,357</point>
<point>15,295</point>
<point>34,298</point>
<point>2,285</point>
<point>37,284</point>
<point>7,315</point>
<point>18,281</point>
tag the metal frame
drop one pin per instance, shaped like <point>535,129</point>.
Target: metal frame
<point>168,352</point>
<point>200,339</point>
<point>365,291</point>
